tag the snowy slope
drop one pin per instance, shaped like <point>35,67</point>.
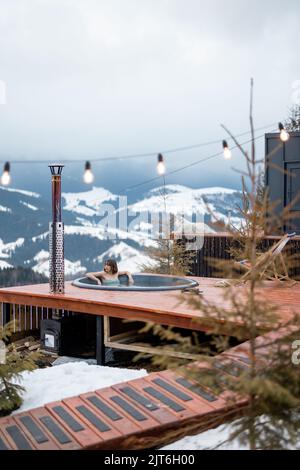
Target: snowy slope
<point>87,203</point>
<point>20,191</point>
<point>103,233</point>
<point>6,249</point>
<point>181,199</point>
<point>128,258</point>
<point>91,224</point>
<point>4,209</point>
<point>30,206</point>
<point>4,264</point>
<point>42,265</point>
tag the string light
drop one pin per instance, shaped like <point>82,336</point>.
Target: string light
<point>189,165</point>
<point>284,135</point>
<point>161,168</point>
<point>5,178</point>
<point>88,176</point>
<point>227,152</point>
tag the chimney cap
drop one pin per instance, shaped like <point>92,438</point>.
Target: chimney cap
<point>56,168</point>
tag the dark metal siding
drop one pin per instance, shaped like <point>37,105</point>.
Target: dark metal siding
<point>284,182</point>
<point>217,247</point>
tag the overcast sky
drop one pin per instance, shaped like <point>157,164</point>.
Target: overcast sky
<point>93,78</point>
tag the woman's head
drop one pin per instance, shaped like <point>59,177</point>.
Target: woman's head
<point>111,266</point>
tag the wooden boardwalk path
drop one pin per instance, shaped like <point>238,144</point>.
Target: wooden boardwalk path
<point>138,414</point>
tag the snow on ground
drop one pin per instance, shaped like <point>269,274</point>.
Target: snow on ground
<point>103,233</point>
<point>21,191</point>
<point>212,439</point>
<point>219,438</point>
<point>4,264</point>
<point>41,256</point>
<point>5,209</point>
<point>181,199</point>
<point>71,379</point>
<point>72,268</point>
<point>182,225</point>
<point>42,236</point>
<point>30,206</point>
<point>129,259</point>
<point>89,202</point>
<point>6,249</point>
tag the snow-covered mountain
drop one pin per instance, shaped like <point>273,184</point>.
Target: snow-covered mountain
<point>99,224</point>
<point>72,268</point>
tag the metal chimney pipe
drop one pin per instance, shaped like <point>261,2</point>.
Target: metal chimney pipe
<point>56,235</point>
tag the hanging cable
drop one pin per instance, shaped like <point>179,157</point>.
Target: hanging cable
<point>140,155</point>
<point>190,165</point>
<point>89,177</point>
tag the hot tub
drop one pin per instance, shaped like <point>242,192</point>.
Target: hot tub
<point>142,282</point>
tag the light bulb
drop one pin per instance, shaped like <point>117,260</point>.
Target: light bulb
<point>161,168</point>
<point>5,178</point>
<point>284,135</point>
<point>88,176</point>
<point>227,152</point>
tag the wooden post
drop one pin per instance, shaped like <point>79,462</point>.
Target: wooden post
<point>100,348</point>
<point>6,313</point>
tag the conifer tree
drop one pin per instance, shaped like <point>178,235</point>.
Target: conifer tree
<point>293,121</point>
<point>11,366</point>
<point>270,382</point>
<point>169,255</point>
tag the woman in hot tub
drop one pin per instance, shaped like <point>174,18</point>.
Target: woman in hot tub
<point>110,275</point>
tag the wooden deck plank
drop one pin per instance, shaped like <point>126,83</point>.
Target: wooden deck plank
<point>80,432</point>
<point>133,391</point>
<point>207,398</point>
<point>117,419</point>
<point>159,307</point>
<point>226,395</point>
<point>182,396</point>
<point>61,438</point>
<point>100,398</point>
<point>4,443</point>
<point>92,419</point>
<point>153,392</point>
<point>34,432</point>
<point>121,405</point>
<point>15,436</point>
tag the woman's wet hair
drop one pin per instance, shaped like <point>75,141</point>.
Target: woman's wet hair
<point>113,264</point>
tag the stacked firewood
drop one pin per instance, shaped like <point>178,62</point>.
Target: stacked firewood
<point>25,344</point>
<point>30,344</point>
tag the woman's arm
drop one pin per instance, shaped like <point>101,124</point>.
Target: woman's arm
<point>95,276</point>
<point>128,274</point>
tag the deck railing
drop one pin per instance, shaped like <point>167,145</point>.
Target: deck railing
<point>217,246</point>
<point>26,318</point>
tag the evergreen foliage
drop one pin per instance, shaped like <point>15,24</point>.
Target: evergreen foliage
<point>20,276</point>
<point>270,382</point>
<point>169,256</point>
<point>10,370</point>
<point>293,122</point>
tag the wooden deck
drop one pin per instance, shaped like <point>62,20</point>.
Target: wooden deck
<point>138,414</point>
<point>165,308</point>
